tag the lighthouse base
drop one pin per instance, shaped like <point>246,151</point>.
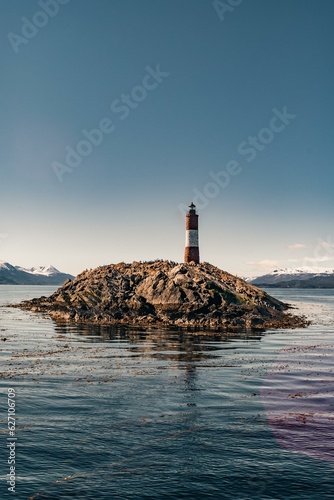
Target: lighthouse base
<point>191,254</point>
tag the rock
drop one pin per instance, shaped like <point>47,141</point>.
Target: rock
<point>165,293</point>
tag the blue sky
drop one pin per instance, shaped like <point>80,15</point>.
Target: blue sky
<point>224,78</point>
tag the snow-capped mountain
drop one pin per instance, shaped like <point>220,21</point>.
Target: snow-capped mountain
<point>43,275</point>
<point>6,266</point>
<point>41,270</point>
<point>302,277</point>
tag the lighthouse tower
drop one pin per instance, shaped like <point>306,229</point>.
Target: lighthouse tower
<point>191,251</point>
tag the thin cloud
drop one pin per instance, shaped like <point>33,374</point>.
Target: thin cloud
<point>296,246</point>
<point>265,264</point>
<point>322,258</point>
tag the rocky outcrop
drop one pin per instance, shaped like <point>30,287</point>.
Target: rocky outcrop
<point>165,293</point>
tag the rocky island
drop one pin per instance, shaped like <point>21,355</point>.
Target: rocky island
<point>165,293</point>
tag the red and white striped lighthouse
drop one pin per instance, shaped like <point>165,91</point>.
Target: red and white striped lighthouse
<point>191,251</point>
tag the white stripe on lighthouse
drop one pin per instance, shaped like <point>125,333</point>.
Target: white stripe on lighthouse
<point>191,238</point>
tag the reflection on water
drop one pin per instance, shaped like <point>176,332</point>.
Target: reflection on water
<point>108,413</point>
<point>170,344</point>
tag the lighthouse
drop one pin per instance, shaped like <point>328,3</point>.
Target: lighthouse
<point>191,251</point>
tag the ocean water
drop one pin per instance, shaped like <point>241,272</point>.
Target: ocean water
<point>105,413</point>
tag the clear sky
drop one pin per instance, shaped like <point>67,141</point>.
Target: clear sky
<point>182,90</point>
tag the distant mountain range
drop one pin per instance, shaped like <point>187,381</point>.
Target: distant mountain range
<point>305,277</point>
<point>295,278</point>
<point>17,275</point>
